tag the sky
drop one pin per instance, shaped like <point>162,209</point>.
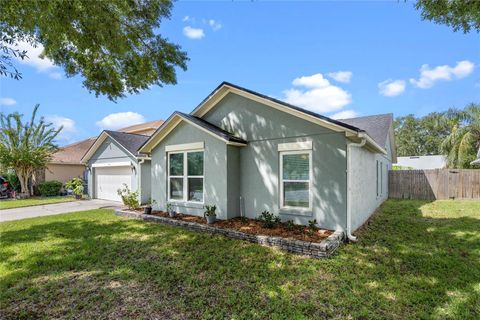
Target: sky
<point>340,59</point>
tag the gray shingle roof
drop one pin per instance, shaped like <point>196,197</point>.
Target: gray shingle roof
<point>376,126</point>
<point>129,141</point>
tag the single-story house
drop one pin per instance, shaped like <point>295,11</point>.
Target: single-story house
<point>246,152</point>
<point>66,162</point>
<point>422,162</point>
<point>112,161</point>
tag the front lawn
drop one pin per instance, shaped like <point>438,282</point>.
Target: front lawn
<point>33,201</point>
<point>414,260</point>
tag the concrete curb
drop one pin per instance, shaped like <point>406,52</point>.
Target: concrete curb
<point>322,249</point>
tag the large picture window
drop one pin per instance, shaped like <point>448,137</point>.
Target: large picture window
<point>185,176</point>
<point>295,179</point>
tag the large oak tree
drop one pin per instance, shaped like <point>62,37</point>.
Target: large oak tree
<point>115,45</point>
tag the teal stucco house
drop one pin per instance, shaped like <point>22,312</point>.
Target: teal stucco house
<point>246,152</point>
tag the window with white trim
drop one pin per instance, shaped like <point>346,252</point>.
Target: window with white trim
<point>185,176</point>
<point>295,179</point>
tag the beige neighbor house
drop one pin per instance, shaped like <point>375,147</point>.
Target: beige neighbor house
<point>66,162</point>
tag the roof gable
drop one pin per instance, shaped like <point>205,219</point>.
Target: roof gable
<point>128,141</point>
<point>176,118</point>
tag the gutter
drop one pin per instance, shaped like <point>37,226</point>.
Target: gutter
<point>349,179</point>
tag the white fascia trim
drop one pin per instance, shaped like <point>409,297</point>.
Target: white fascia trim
<point>185,146</point>
<point>103,136</point>
<point>295,146</point>
<point>112,164</point>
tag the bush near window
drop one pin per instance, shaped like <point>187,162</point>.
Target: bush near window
<point>76,185</point>
<point>129,198</point>
<point>268,220</point>
<point>49,188</point>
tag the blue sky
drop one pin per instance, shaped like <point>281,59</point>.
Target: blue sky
<point>337,58</point>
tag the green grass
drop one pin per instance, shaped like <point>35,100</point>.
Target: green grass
<point>33,201</point>
<point>414,260</point>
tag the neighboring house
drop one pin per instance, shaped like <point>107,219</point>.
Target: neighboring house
<point>422,162</point>
<point>66,162</point>
<point>476,162</point>
<point>246,152</point>
<point>112,161</point>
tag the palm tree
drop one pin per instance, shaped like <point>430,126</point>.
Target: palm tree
<point>26,147</point>
<point>462,144</point>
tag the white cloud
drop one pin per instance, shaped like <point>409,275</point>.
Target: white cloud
<point>320,96</point>
<point>428,76</point>
<point>341,76</point>
<point>346,114</point>
<point>391,88</point>
<point>7,102</point>
<point>69,130</point>
<point>215,25</point>
<point>193,33</point>
<point>33,56</point>
<point>119,120</point>
<point>186,18</point>
<point>55,75</point>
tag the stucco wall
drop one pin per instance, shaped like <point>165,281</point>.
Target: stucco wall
<point>63,172</point>
<point>264,128</point>
<point>364,199</point>
<point>110,152</point>
<point>215,171</point>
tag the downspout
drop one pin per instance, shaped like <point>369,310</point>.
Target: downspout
<point>349,188</point>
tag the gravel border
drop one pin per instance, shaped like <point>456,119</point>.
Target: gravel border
<point>323,249</point>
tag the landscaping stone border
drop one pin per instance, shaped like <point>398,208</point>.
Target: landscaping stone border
<point>323,249</point>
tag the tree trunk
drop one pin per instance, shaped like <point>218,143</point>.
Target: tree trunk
<point>23,175</point>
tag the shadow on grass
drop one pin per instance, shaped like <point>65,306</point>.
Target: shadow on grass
<point>98,265</point>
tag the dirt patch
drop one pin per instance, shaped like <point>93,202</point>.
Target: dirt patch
<point>252,226</point>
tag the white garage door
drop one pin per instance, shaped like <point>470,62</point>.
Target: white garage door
<point>109,179</point>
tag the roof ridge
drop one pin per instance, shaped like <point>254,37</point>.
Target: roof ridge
<point>121,132</point>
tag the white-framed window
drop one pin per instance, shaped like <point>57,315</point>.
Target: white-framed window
<point>185,176</point>
<point>296,180</point>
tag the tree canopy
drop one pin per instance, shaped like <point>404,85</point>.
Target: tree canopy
<point>461,15</point>
<point>114,45</point>
<point>26,146</point>
<point>454,133</point>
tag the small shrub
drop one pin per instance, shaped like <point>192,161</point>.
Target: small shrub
<point>210,210</point>
<point>290,225</point>
<point>49,188</point>
<point>243,219</point>
<point>312,226</point>
<point>129,198</point>
<point>169,207</point>
<point>268,220</point>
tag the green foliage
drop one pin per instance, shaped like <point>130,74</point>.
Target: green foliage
<point>169,207</point>
<point>76,185</point>
<point>462,144</point>
<point>49,188</point>
<point>268,220</point>
<point>461,15</point>
<point>12,179</point>
<point>25,147</point>
<point>129,198</point>
<point>396,167</point>
<point>290,225</point>
<point>312,224</point>
<point>210,210</point>
<point>114,45</point>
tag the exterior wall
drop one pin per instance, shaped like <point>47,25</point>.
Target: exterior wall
<point>110,152</point>
<point>363,181</point>
<point>145,181</point>
<point>264,128</point>
<point>64,172</point>
<point>233,181</point>
<point>215,171</point>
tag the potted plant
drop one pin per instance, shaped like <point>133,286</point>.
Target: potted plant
<point>171,212</point>
<point>76,185</point>
<point>210,213</point>
<point>147,209</point>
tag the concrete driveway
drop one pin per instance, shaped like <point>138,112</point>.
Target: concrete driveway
<point>56,208</point>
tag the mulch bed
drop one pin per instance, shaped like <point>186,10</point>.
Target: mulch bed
<point>252,226</point>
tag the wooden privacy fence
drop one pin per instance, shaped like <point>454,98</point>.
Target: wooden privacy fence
<point>434,184</point>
